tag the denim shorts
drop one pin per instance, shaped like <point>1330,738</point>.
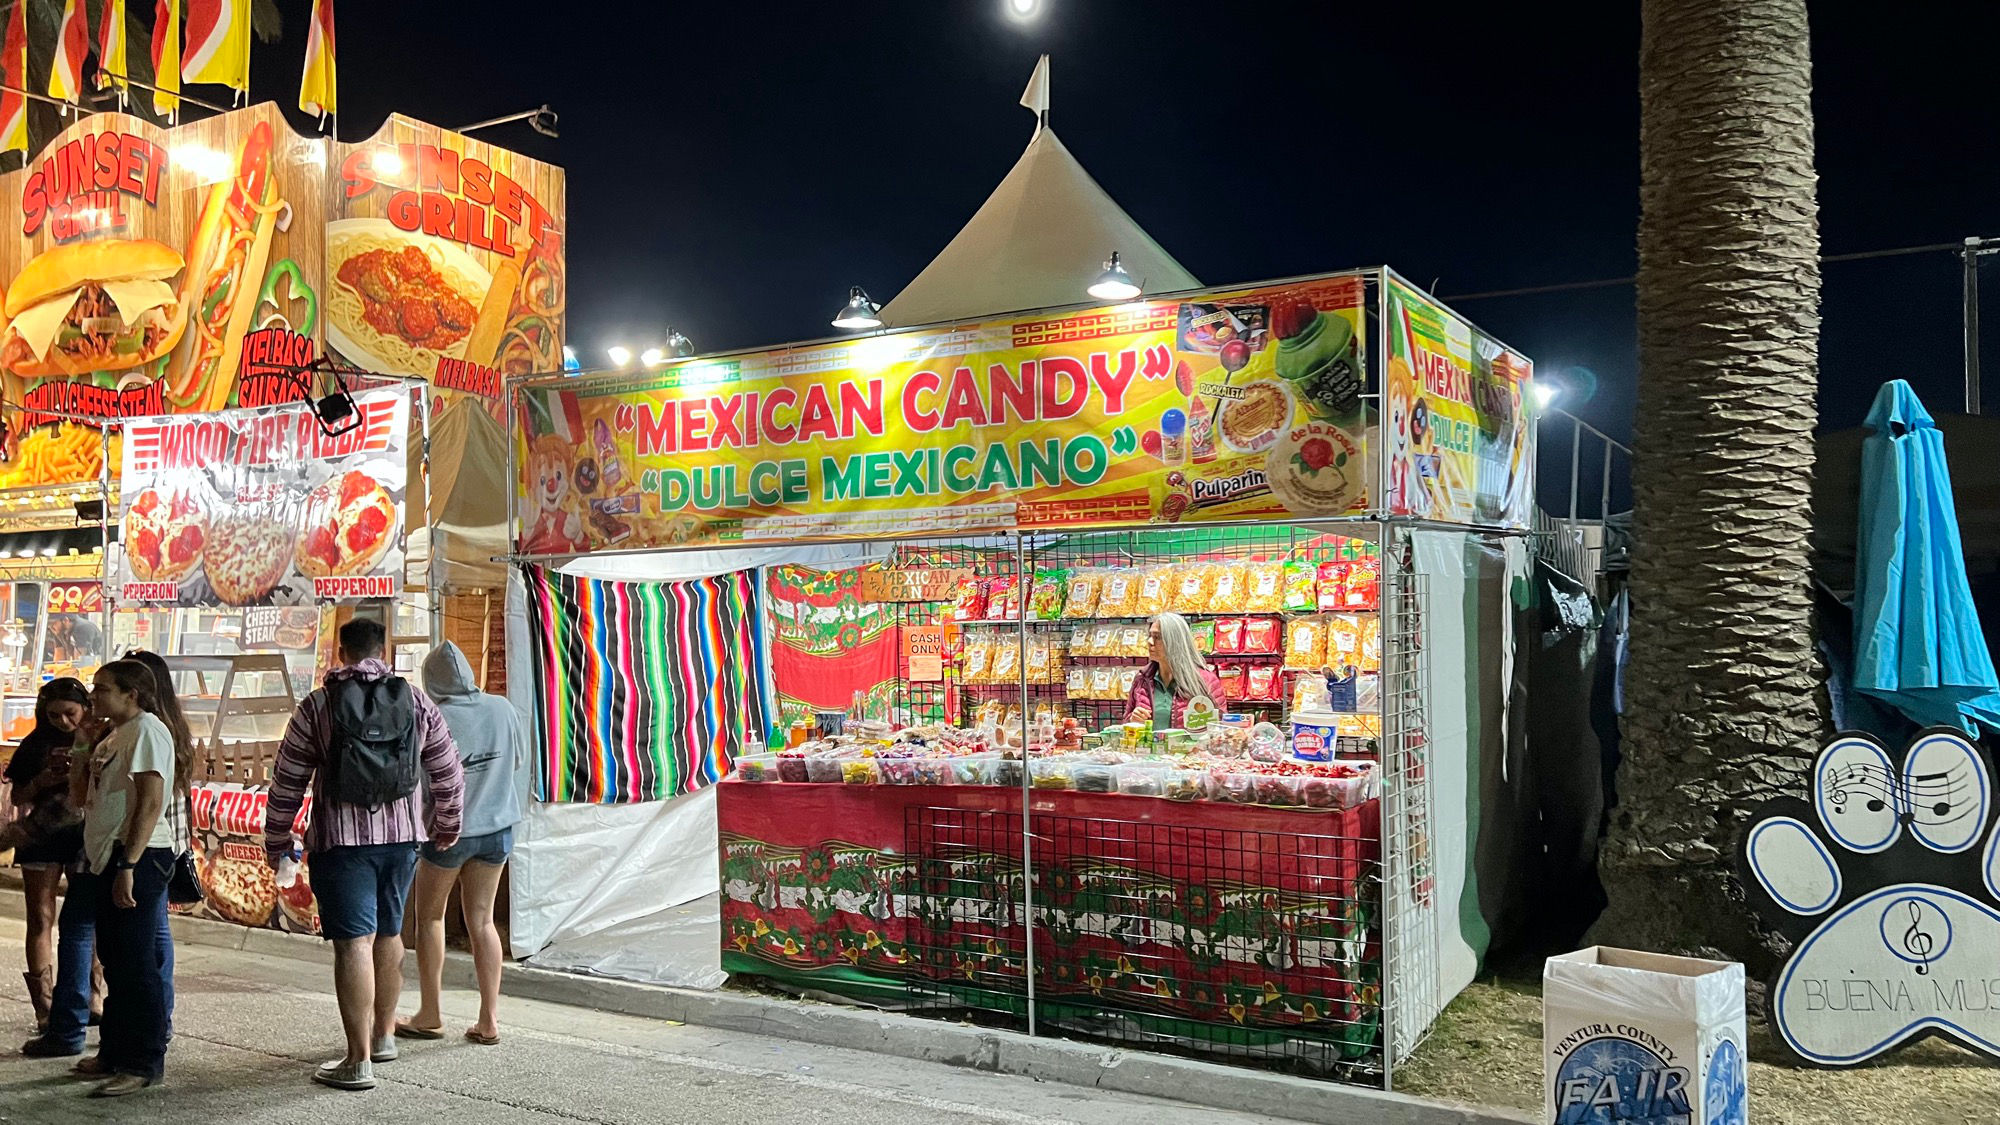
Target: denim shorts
<point>362,888</point>
<point>493,848</point>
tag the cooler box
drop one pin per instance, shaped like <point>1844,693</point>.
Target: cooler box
<point>1630,1036</point>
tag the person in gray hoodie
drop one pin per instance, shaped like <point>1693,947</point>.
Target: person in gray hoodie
<point>494,749</point>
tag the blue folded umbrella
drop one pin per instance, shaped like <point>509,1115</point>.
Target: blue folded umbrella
<point>1917,644</point>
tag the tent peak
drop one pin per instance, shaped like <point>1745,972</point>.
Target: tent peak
<point>1036,242</point>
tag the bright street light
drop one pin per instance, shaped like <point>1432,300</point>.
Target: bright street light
<point>651,357</point>
<point>1546,392</point>
<point>1024,9</point>
<point>620,354</point>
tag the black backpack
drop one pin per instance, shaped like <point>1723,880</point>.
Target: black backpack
<point>373,758</point>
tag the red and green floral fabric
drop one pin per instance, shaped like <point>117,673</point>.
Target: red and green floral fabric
<point>827,644</point>
<point>1258,918</point>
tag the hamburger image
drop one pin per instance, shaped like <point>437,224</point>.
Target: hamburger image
<point>93,306</point>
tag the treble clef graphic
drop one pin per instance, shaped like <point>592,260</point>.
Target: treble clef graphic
<point>1917,940</point>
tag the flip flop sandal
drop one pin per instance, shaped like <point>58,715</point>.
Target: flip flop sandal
<point>482,1040</point>
<point>412,1031</point>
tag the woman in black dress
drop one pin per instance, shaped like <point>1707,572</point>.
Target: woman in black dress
<point>48,835</point>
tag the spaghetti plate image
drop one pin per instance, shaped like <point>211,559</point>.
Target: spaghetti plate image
<point>395,301</point>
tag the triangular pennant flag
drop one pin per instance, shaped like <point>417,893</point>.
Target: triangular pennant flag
<point>317,87</point>
<point>1036,96</point>
<point>111,67</point>
<point>14,68</point>
<point>72,43</point>
<point>166,56</point>
<point>218,43</point>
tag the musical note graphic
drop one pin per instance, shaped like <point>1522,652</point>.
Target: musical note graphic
<point>1930,799</point>
<point>1875,781</point>
<point>1916,940</point>
<point>1916,930</point>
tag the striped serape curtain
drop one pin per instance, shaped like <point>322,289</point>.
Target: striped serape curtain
<point>643,690</point>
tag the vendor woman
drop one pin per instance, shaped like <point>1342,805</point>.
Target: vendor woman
<point>1176,677</point>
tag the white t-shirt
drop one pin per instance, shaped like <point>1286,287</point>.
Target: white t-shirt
<point>141,745</point>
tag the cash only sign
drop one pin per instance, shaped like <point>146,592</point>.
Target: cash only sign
<point>1246,404</point>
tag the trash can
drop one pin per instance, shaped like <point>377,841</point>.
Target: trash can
<point>1642,1037</point>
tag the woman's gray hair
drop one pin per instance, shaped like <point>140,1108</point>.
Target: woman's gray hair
<point>1182,668</point>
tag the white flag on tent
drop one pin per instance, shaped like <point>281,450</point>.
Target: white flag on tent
<point>1036,96</point>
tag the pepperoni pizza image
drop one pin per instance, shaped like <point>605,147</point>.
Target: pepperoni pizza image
<point>350,524</point>
<point>301,909</point>
<point>166,531</point>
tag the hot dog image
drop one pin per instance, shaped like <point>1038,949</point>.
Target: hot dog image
<point>93,306</point>
<point>231,244</point>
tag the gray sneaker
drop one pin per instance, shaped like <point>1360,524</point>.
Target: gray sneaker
<point>385,1050</point>
<point>343,1075</point>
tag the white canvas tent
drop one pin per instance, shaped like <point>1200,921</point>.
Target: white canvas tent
<point>629,890</point>
<point>468,503</point>
<point>1037,241</point>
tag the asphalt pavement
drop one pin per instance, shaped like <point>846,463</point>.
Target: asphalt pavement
<point>249,1028</point>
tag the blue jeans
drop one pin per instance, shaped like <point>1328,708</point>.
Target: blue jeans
<point>132,1038</point>
<point>76,940</point>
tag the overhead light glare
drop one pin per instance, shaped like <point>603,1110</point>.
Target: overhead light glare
<point>859,312</point>
<point>1114,284</point>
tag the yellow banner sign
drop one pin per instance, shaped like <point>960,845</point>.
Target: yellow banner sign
<point>1462,445</point>
<point>1237,405</point>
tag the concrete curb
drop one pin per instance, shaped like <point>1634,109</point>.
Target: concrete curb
<point>1002,1052</point>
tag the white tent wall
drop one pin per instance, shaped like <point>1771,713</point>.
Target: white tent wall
<point>1466,579</point>
<point>468,463</point>
<point>629,890</point>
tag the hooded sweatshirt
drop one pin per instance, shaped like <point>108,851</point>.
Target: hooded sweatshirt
<point>491,742</point>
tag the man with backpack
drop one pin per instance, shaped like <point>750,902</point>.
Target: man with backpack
<point>364,744</point>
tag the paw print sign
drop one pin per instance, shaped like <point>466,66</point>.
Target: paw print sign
<point>1888,881</point>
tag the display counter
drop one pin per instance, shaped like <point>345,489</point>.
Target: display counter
<point>1257,918</point>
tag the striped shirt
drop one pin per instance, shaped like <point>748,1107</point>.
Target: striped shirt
<point>178,817</point>
<point>432,812</point>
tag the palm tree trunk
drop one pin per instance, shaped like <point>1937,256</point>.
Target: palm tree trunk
<point>1722,692</point>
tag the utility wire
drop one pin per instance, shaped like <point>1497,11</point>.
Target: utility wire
<point>1612,282</point>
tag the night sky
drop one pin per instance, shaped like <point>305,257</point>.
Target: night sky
<point>734,167</point>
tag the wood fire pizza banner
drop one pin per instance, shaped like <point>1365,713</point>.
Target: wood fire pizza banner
<point>267,506</point>
<point>148,270</point>
<point>237,884</point>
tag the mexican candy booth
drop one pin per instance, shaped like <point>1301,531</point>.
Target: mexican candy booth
<point>902,589</point>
